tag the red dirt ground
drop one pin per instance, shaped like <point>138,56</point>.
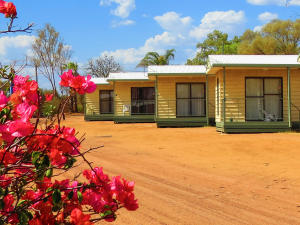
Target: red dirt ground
<point>198,176</point>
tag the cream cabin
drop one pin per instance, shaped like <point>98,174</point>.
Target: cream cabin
<point>99,105</point>
<point>256,93</point>
<point>134,97</point>
<point>184,95</point>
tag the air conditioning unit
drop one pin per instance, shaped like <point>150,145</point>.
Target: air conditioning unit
<point>126,108</point>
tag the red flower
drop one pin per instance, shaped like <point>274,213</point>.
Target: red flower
<point>78,218</point>
<point>79,83</point>
<point>8,9</point>
<point>48,97</point>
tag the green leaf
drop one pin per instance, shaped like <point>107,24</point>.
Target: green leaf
<point>79,196</point>
<point>70,162</point>
<point>70,195</point>
<point>106,213</point>
<point>21,202</point>
<point>23,217</point>
<point>49,173</point>
<point>56,196</point>
<point>46,161</point>
<point>35,157</point>
<point>2,204</point>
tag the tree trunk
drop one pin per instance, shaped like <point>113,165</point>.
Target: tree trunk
<point>75,103</point>
<point>71,104</point>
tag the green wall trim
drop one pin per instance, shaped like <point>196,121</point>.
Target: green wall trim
<point>104,117</point>
<point>252,127</point>
<point>184,122</point>
<point>134,119</point>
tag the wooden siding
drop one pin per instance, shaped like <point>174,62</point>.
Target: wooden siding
<point>92,106</point>
<point>295,94</point>
<point>166,88</point>
<point>123,94</point>
<point>235,92</point>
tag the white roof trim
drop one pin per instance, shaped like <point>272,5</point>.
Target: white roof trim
<point>253,60</point>
<point>100,80</point>
<point>177,69</point>
<point>128,76</point>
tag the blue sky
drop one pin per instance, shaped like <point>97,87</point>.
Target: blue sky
<point>127,29</point>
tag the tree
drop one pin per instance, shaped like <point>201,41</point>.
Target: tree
<point>153,58</point>
<point>49,49</point>
<point>102,66</point>
<point>216,43</point>
<point>276,37</point>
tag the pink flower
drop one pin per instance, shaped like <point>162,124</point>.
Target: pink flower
<point>79,83</point>
<point>66,78</point>
<point>25,111</point>
<point>48,97</point>
<point>12,129</point>
<point>90,86</point>
<point>3,100</point>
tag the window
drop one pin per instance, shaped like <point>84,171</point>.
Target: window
<point>106,102</point>
<point>264,99</point>
<point>190,99</point>
<point>143,100</point>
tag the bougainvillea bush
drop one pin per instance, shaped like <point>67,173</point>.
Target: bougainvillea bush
<point>31,157</point>
<point>35,154</point>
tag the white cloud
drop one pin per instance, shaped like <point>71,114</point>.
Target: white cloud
<point>267,16</point>
<point>123,23</point>
<point>171,21</point>
<point>225,21</point>
<point>124,8</point>
<point>275,2</point>
<point>20,41</point>
<point>294,2</point>
<point>179,33</point>
<point>257,28</point>
<point>132,56</point>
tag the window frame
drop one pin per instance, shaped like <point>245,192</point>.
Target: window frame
<point>143,100</point>
<point>263,96</point>
<point>190,94</point>
<point>110,100</point>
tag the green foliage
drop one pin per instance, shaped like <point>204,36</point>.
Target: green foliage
<point>216,43</point>
<point>275,38</point>
<point>153,58</point>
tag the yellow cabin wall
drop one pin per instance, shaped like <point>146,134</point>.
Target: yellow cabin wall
<point>235,92</point>
<point>92,101</point>
<point>166,93</point>
<point>123,94</point>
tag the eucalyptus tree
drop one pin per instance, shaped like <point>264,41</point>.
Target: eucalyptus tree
<point>51,53</point>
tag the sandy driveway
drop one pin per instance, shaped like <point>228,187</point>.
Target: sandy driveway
<point>198,176</point>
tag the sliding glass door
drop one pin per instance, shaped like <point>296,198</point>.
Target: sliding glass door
<point>106,102</point>
<point>190,100</point>
<point>142,100</point>
<point>264,99</point>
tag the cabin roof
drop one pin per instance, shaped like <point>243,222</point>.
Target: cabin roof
<point>253,60</point>
<point>100,80</point>
<point>128,76</point>
<point>176,69</point>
